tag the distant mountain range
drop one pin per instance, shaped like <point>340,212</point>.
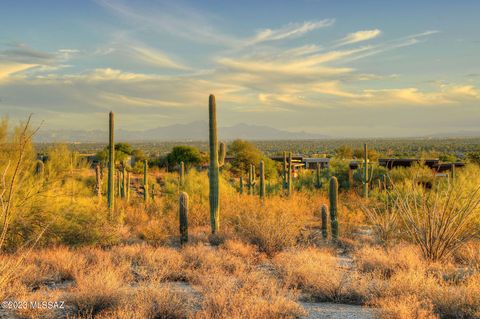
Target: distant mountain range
<point>195,131</point>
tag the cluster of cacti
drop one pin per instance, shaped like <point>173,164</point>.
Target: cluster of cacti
<point>261,191</point>
<point>318,181</point>
<point>333,198</point>
<point>251,180</point>
<point>367,173</point>
<point>145,181</point>
<point>111,165</point>
<point>213,171</point>
<point>183,217</point>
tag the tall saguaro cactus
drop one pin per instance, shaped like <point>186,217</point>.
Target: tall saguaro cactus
<point>145,181</point>
<point>128,186</point>
<point>181,173</point>
<point>367,174</point>
<point>318,182</point>
<point>183,217</point>
<point>213,171</point>
<point>98,181</point>
<point>262,180</point>
<point>124,182</point>
<point>284,170</point>
<point>240,186</point>
<point>324,221</point>
<point>289,174</point>
<point>333,198</point>
<point>251,180</point>
<point>111,165</point>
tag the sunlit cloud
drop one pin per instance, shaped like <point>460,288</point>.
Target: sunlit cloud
<point>289,31</point>
<point>359,36</point>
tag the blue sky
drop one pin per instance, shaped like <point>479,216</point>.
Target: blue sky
<point>342,68</point>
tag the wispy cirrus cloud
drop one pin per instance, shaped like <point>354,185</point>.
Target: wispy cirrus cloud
<point>359,36</point>
<point>291,30</point>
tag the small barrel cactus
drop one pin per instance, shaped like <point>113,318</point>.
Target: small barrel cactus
<point>333,198</point>
<point>183,217</point>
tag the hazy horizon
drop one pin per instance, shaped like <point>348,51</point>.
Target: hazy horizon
<point>343,69</point>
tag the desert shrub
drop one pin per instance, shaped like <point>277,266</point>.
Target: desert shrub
<point>440,220</point>
<point>318,273</point>
<point>273,224</point>
<point>387,261</point>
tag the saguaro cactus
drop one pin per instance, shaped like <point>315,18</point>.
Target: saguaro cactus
<point>333,198</point>
<point>367,174</point>
<point>183,212</point>
<point>324,221</point>
<point>222,152</point>
<point>213,172</point>
<point>240,186</point>
<point>124,182</point>
<point>318,183</point>
<point>181,173</point>
<point>284,171</point>
<point>128,186</point>
<point>452,168</point>
<point>98,181</point>
<point>350,178</point>
<point>289,174</point>
<point>153,192</point>
<point>251,180</point>
<point>145,181</point>
<point>111,165</point>
<point>262,180</point>
<point>39,168</point>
